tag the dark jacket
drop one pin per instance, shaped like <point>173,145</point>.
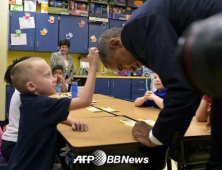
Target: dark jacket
<point>151,35</point>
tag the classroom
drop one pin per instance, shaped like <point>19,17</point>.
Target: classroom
<point>137,106</point>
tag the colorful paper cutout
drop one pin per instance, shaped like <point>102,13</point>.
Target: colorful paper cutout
<point>62,95</point>
<point>43,31</point>
<point>93,109</point>
<point>27,16</point>
<point>51,19</point>
<point>93,38</point>
<point>108,109</point>
<point>148,121</point>
<point>69,35</point>
<point>103,25</point>
<point>129,123</point>
<point>18,32</point>
<point>82,23</point>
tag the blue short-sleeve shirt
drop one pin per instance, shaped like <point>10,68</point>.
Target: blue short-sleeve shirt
<point>36,145</point>
<point>151,103</point>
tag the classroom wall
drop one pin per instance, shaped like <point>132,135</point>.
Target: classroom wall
<point>6,57</point>
<point>3,52</point>
<point>46,55</point>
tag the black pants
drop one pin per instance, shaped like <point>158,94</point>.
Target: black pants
<point>215,160</point>
<point>7,148</point>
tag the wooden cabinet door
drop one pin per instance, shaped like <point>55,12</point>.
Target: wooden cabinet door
<point>75,28</point>
<point>27,34</point>
<point>102,86</point>
<point>120,88</point>
<point>46,33</point>
<point>95,31</point>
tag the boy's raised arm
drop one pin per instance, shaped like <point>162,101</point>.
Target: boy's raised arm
<point>85,98</point>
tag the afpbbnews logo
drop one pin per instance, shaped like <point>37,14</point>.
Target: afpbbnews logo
<point>99,158</point>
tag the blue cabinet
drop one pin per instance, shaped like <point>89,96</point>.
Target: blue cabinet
<point>116,23</point>
<point>49,41</point>
<point>95,31</point>
<point>120,88</point>
<point>139,87</point>
<point>9,92</point>
<point>28,33</point>
<point>77,29</point>
<point>102,86</point>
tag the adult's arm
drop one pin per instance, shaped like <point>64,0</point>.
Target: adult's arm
<point>156,51</point>
<point>54,60</point>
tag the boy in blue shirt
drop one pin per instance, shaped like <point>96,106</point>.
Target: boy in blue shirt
<point>40,114</point>
<point>153,99</point>
<point>61,85</point>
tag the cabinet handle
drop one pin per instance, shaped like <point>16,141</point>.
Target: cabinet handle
<point>108,84</point>
<point>31,43</point>
<point>85,46</point>
<point>141,89</point>
<point>37,45</point>
<point>141,82</point>
<point>113,85</point>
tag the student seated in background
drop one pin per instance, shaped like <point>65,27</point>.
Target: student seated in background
<point>61,85</point>
<point>203,111</point>
<point>10,136</point>
<point>153,99</point>
<point>40,114</point>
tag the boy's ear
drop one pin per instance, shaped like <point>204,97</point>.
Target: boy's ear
<point>30,86</point>
<point>115,43</point>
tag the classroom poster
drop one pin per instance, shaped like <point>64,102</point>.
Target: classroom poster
<point>27,23</point>
<point>19,40</point>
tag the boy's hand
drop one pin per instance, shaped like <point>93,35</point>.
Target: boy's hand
<point>93,57</point>
<point>149,95</point>
<point>79,126</point>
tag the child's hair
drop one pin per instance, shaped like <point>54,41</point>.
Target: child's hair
<point>57,67</point>
<point>7,76</point>
<point>24,72</point>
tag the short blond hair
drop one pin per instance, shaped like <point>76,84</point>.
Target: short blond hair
<point>23,72</point>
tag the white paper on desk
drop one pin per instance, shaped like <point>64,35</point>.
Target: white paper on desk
<point>19,40</point>
<point>27,23</point>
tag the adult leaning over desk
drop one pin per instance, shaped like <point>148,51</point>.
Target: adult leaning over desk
<point>64,59</point>
<point>150,38</point>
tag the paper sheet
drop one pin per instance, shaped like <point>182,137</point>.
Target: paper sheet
<point>148,121</point>
<point>27,23</point>
<point>19,40</point>
<point>93,109</point>
<point>129,123</point>
<point>108,109</point>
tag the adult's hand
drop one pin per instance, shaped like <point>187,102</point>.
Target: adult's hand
<point>141,132</point>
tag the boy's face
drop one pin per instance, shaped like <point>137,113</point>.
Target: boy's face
<point>157,82</point>
<point>43,81</point>
<point>58,74</point>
